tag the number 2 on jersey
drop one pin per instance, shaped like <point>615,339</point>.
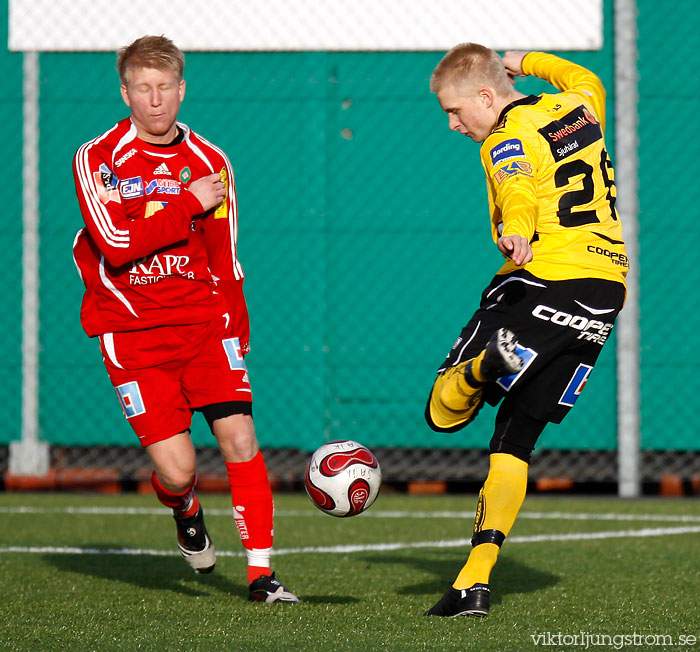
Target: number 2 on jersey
<point>575,198</point>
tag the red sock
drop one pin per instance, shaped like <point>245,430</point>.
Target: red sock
<point>252,511</point>
<point>183,505</point>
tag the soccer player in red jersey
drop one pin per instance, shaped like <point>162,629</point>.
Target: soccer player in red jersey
<point>164,295</point>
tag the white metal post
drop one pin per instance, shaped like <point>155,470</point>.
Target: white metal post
<point>29,456</point>
<point>627,181</point>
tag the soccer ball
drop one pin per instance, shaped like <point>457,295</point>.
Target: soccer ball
<point>343,478</point>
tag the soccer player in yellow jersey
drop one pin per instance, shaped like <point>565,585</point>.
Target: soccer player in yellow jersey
<point>543,319</point>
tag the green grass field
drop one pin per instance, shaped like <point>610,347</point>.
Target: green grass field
<point>68,582</point>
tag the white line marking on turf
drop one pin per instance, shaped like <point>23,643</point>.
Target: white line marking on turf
<point>370,547</point>
<point>575,516</point>
<point>96,510</point>
<point>557,516</point>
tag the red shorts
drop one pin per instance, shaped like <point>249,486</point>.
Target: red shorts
<point>162,374</point>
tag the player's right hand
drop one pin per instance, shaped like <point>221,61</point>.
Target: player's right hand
<point>515,247</point>
<point>209,190</point>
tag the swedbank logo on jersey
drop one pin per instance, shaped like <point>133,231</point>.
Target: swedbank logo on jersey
<point>576,130</point>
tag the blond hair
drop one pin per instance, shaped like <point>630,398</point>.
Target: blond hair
<point>157,52</point>
<point>468,66</point>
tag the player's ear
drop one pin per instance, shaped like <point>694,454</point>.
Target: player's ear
<point>487,96</point>
<point>125,95</point>
<point>181,89</point>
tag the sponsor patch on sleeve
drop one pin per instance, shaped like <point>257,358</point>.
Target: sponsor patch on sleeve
<point>512,169</point>
<point>106,183</point>
<point>507,150</point>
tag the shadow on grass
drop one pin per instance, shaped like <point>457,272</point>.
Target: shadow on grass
<point>509,575</point>
<point>148,572</point>
<point>327,599</point>
<point>162,574</point>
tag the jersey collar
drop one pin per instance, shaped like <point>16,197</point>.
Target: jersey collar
<point>530,99</point>
<point>180,137</point>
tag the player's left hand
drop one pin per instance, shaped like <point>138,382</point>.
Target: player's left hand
<point>515,247</point>
<point>513,62</point>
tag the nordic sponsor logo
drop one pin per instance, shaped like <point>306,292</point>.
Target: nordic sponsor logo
<point>512,169</point>
<point>579,123</point>
<point>576,384</point>
<point>129,396</point>
<point>153,269</point>
<point>130,188</point>
<point>591,330</point>
<point>163,186</point>
<point>563,152</point>
<point>615,258</point>
<point>574,131</point>
<point>508,149</point>
<point>125,158</point>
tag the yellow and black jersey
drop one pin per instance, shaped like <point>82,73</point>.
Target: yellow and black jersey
<point>550,178</point>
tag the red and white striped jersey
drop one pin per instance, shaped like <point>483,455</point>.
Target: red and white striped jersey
<point>148,255</point>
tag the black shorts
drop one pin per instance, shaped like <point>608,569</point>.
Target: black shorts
<point>561,327</point>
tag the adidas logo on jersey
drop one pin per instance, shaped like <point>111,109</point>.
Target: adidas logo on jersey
<point>162,169</point>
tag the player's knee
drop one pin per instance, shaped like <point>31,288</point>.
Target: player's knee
<point>176,478</point>
<point>510,448</point>
<point>452,404</point>
<point>438,428</point>
<point>236,437</point>
<point>442,419</point>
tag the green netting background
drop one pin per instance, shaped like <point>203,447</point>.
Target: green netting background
<point>364,236</point>
<point>669,198</point>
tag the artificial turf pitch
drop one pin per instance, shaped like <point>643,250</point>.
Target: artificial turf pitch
<point>100,573</point>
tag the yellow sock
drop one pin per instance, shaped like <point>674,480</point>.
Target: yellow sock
<point>478,567</point>
<point>453,400</point>
<point>476,367</point>
<point>500,500</point>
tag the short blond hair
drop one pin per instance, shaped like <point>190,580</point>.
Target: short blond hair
<point>469,65</point>
<point>157,52</point>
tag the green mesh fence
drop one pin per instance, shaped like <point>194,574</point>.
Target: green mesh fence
<point>11,238</point>
<point>365,239</point>
<point>669,197</point>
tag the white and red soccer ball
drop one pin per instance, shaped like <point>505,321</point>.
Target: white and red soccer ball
<point>343,478</point>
